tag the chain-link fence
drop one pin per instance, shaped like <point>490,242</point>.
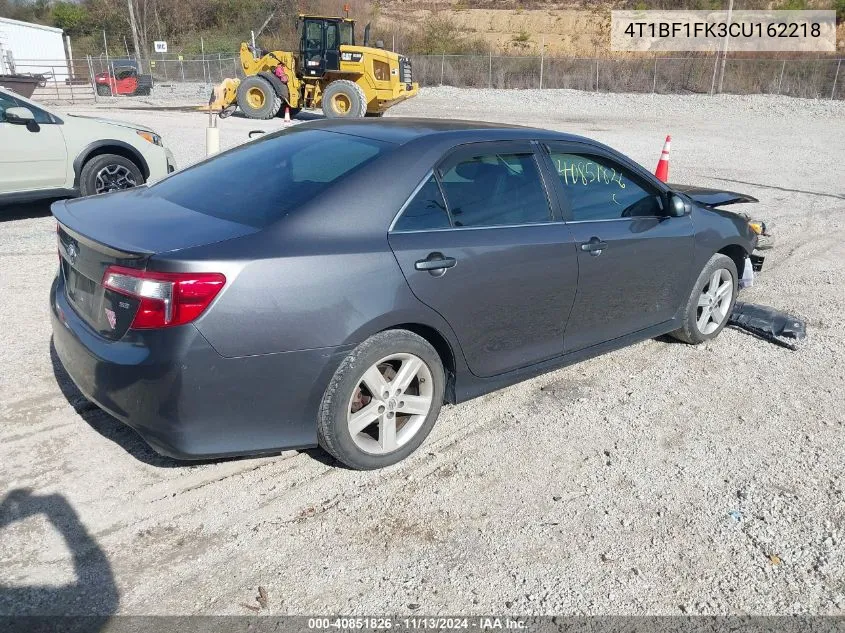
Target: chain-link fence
<point>185,79</point>
<point>811,78</point>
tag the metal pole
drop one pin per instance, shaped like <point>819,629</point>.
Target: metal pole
<point>727,42</point>
<point>780,81</point>
<point>597,75</point>
<point>126,46</point>
<point>442,66</point>
<point>833,90</point>
<point>182,68</point>
<point>252,33</point>
<point>91,78</point>
<point>654,83</point>
<point>713,80</point>
<point>490,71</point>
<point>542,58</point>
<point>202,48</point>
<point>108,66</point>
<point>220,66</point>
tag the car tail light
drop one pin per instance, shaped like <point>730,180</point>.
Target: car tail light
<point>166,299</point>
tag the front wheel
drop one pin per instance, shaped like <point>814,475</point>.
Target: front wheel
<point>344,99</point>
<point>382,401</point>
<point>109,172</point>
<point>711,301</point>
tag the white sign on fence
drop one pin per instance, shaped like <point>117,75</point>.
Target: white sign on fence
<point>160,47</point>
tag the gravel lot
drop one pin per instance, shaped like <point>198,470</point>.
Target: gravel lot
<point>660,479</point>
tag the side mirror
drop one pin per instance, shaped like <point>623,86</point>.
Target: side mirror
<point>678,207</point>
<point>20,116</point>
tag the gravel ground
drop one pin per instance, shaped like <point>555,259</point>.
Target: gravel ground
<point>660,479</point>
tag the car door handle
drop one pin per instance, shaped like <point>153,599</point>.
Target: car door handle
<point>594,247</point>
<point>435,263</point>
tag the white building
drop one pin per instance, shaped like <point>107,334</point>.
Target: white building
<point>32,48</point>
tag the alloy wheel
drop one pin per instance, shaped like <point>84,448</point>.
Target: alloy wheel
<point>114,178</point>
<point>714,302</point>
<point>390,403</point>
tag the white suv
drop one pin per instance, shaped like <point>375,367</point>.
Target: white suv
<point>44,155</point>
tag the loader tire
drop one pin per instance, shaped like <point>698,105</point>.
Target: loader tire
<point>344,99</point>
<point>257,99</point>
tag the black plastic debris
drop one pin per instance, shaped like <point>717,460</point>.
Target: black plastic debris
<point>767,323</point>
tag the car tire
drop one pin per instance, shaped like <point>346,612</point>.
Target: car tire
<point>364,430</point>
<point>103,91</point>
<point>344,99</point>
<point>109,172</point>
<point>257,98</point>
<point>708,308</point>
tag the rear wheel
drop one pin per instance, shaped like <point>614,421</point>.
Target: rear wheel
<point>103,91</point>
<point>344,99</point>
<point>382,401</point>
<point>711,301</point>
<point>109,172</point>
<point>257,99</point>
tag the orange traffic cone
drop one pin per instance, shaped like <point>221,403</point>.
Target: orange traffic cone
<point>662,171</point>
<point>287,115</point>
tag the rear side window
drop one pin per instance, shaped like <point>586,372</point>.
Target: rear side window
<point>259,182</point>
<point>496,190</point>
<point>425,211</point>
<point>599,189</point>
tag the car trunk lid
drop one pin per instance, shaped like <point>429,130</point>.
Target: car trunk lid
<point>124,229</point>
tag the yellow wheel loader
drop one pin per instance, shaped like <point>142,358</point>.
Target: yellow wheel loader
<point>329,71</point>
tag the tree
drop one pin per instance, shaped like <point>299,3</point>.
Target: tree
<point>70,17</point>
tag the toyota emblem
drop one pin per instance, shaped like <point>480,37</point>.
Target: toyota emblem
<point>72,252</point>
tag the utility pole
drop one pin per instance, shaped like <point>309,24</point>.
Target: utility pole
<point>134,26</point>
<point>725,49</point>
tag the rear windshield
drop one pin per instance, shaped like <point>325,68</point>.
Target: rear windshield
<point>259,182</point>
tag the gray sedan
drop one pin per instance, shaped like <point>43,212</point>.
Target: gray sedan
<point>337,282</point>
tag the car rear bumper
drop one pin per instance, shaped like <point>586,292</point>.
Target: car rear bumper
<point>187,401</point>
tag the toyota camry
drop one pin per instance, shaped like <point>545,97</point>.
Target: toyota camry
<point>335,283</point>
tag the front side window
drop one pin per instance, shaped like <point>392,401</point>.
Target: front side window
<point>495,190</point>
<point>8,101</point>
<point>260,182</point>
<point>331,36</point>
<point>313,35</point>
<point>599,189</point>
<point>425,211</point>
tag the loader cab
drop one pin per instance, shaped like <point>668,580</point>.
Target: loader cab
<point>320,44</point>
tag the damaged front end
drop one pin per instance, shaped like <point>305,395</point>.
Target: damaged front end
<point>721,198</point>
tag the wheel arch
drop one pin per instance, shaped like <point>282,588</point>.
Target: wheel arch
<point>443,348</point>
<point>737,253</point>
<point>98,148</point>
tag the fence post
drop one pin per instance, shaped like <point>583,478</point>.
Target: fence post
<point>220,66</point>
<point>835,77</point>
<point>442,66</point>
<point>490,71</point>
<point>713,81</point>
<point>542,58</point>
<point>654,83</point>
<point>780,81</point>
<point>597,74</point>
<point>91,78</point>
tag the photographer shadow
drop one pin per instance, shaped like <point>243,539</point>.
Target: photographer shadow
<point>88,602</point>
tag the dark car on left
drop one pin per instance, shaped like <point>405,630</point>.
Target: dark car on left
<point>335,283</point>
